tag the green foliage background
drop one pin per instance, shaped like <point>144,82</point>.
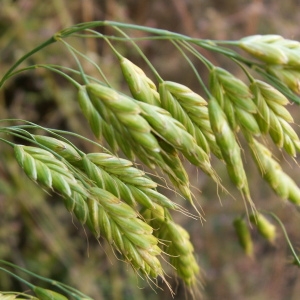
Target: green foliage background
<point>38,233</point>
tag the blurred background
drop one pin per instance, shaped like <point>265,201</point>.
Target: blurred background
<point>37,232</point>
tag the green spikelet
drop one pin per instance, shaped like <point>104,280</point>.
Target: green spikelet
<point>273,49</point>
<point>289,76</point>
<point>177,245</point>
<point>141,87</point>
<point>134,239</point>
<point>191,110</point>
<point>229,147</point>
<point>174,133</point>
<point>235,99</point>
<point>42,166</point>
<point>64,149</point>
<point>264,48</point>
<point>273,117</point>
<point>272,172</point>
<point>264,226</point>
<point>121,111</point>
<point>243,235</point>
<point>45,294</point>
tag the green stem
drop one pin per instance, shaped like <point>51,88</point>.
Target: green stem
<point>73,52</point>
<point>7,142</point>
<point>297,260</point>
<point>150,65</point>
<point>194,69</point>
<point>74,82</point>
<point>16,276</point>
<point>72,291</point>
<point>19,61</point>
<point>209,45</point>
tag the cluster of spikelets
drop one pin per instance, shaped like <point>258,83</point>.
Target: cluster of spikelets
<point>105,192</point>
<point>158,126</point>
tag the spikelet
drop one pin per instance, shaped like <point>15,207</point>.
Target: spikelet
<point>231,151</point>
<point>119,177</point>
<point>101,128</point>
<point>177,245</point>
<point>244,236</point>
<point>272,172</point>
<point>190,109</point>
<point>43,167</point>
<point>89,111</point>
<point>264,226</point>
<point>174,133</point>
<point>272,49</point>
<point>173,167</point>
<point>235,99</point>
<point>132,237</point>
<point>62,148</point>
<point>273,117</point>
<point>141,87</point>
<point>265,48</point>
<point>122,112</point>
<point>45,294</point>
<point>15,296</point>
<point>77,204</point>
<point>289,76</point>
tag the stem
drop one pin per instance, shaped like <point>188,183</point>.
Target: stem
<point>74,82</point>
<point>297,260</point>
<point>20,60</point>
<point>158,77</point>
<point>279,85</point>
<point>59,285</point>
<point>7,142</point>
<point>73,52</point>
<point>209,45</point>
<point>194,69</point>
<point>16,276</point>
